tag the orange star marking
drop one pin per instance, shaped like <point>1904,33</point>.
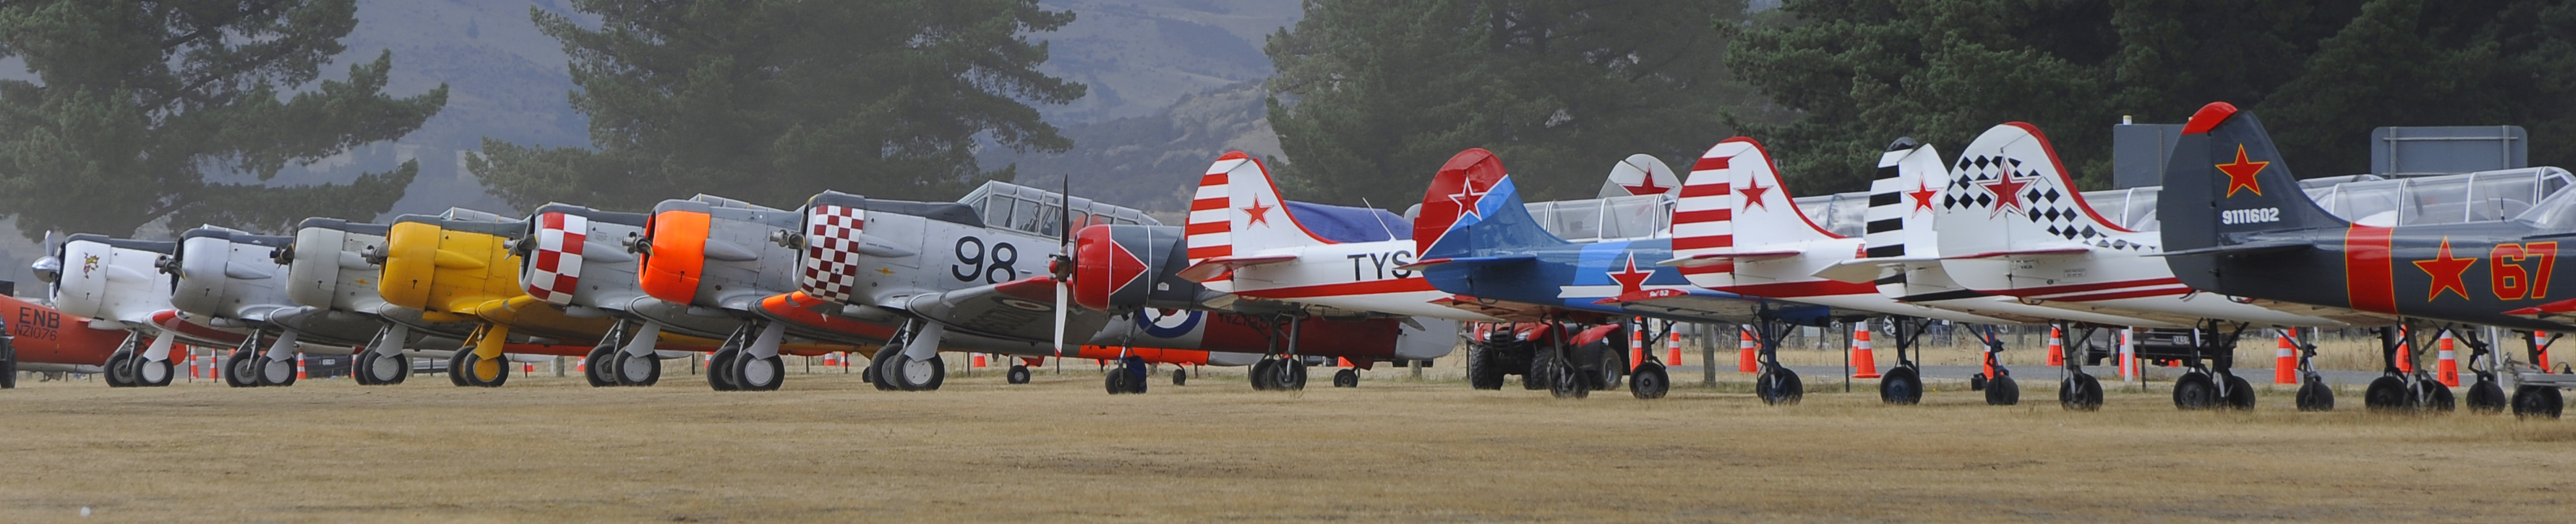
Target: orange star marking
<point>2446,272</point>
<point>2241,174</point>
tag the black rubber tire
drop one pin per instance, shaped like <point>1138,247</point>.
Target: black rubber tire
<point>2072,393</point>
<point>456,367</point>
<point>286,377</point>
<point>2536,402</point>
<point>358,363</point>
<point>1292,375</point>
<point>2486,396</point>
<point>1481,372</point>
<point>1261,374</point>
<point>143,372</point>
<point>1540,370</point>
<point>1346,378</point>
<point>119,371</point>
<point>598,367</point>
<point>895,373</point>
<point>721,370</point>
<point>8,366</point>
<point>1614,366</point>
<point>1115,381</point>
<point>2386,393</point>
<point>868,372</point>
<point>2315,396</point>
<point>402,369</point>
<point>1778,387</point>
<point>752,379</point>
<point>1567,381</point>
<point>1977,382</point>
<point>2002,391</point>
<point>652,369</point>
<point>464,368</point>
<point>498,380</point>
<point>2195,391</point>
<point>1180,377</point>
<point>2240,393</point>
<point>2438,397</point>
<point>1900,387</point>
<point>234,364</point>
<point>1649,381</point>
<point>1017,375</point>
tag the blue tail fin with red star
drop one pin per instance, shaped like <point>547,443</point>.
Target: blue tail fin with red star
<point>2225,180</point>
<point>1473,209</point>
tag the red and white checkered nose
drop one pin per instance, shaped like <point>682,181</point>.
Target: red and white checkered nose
<point>554,267</point>
<point>830,269</point>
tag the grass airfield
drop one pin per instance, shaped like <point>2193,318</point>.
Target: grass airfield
<point>831,448</point>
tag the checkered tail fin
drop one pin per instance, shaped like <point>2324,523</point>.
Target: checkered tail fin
<point>2008,192</point>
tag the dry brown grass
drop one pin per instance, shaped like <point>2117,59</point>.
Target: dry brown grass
<point>829,448</point>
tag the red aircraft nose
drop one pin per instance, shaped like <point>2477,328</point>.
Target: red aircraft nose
<point>1101,267</point>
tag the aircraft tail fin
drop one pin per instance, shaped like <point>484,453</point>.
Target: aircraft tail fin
<point>1472,208</point>
<point>2226,179</point>
<point>2007,192</point>
<point>1734,202</point>
<point>1640,174</point>
<point>1902,202</point>
<point>1238,209</point>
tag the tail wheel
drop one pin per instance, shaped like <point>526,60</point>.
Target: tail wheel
<point>2240,394</point>
<point>1649,381</point>
<point>2002,391</point>
<point>762,374</point>
<point>2386,393</point>
<point>1900,387</point>
<point>1018,375</point>
<point>634,370</point>
<point>595,367</point>
<point>2536,402</point>
<point>1481,373</point>
<point>2315,396</point>
<point>2195,391</point>
<point>2486,396</point>
<point>153,373</point>
<point>1778,387</point>
<point>120,370</point>
<point>1347,378</point>
<point>721,369</point>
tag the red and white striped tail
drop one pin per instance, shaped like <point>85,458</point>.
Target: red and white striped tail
<point>1211,227</point>
<point>554,268</point>
<point>1238,210</point>
<point>830,266</point>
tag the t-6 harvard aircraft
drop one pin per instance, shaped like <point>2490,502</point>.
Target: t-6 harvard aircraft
<point>117,285</point>
<point>578,261</point>
<point>328,269</point>
<point>1479,241</point>
<point>984,290</point>
<point>456,270</point>
<point>43,339</point>
<point>235,281</point>
<point>1737,230</point>
<point>2236,225</point>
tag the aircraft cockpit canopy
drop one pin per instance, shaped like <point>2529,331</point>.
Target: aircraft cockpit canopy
<point>2482,196</point>
<point>1035,211</point>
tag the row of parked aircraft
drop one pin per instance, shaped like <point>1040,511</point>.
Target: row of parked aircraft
<point>2233,243</point>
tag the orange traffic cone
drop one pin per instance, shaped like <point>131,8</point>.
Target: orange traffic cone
<point>2128,357</point>
<point>2447,366</point>
<point>1342,362</point>
<point>527,368</point>
<point>299,367</point>
<point>1747,360</point>
<point>979,360</point>
<point>1673,347</point>
<point>2285,362</point>
<point>2056,346</point>
<point>214,368</point>
<point>1636,347</point>
<point>2405,347</point>
<point>2541,357</point>
<point>1864,363</point>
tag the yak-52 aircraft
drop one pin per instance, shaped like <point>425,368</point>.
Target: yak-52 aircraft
<point>2235,223</point>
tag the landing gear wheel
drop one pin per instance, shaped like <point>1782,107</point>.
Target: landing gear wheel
<point>1613,365</point>
<point>2080,392</point>
<point>282,372</point>
<point>2437,397</point>
<point>1115,381</point>
<point>153,374</point>
<point>471,370</point>
<point>1779,386</point>
<point>2315,396</point>
<point>904,373</point>
<point>868,373</point>
<point>595,367</point>
<point>2195,391</point>
<point>1481,373</point>
<point>762,374</point>
<point>1261,374</point>
<point>2485,396</point>
<point>1900,387</point>
<point>120,370</point>
<point>237,369</point>
<point>1018,375</point>
<point>1649,381</point>
<point>1180,377</point>
<point>636,371</point>
<point>1347,378</point>
<point>721,370</point>
<point>2001,391</point>
<point>8,367</point>
<point>2240,394</point>
<point>1292,374</point>
<point>455,367</point>
<point>2536,401</point>
<point>358,364</point>
<point>2386,393</point>
<point>386,370</point>
<point>1568,381</point>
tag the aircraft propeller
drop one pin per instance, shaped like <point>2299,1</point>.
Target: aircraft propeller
<point>1060,265</point>
<point>49,268</point>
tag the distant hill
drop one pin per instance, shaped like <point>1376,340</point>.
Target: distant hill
<point>1153,162</point>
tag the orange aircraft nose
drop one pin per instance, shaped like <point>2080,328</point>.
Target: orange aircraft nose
<point>676,256</point>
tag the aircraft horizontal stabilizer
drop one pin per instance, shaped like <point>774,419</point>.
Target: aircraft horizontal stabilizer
<point>1211,268</point>
<point>2276,246</point>
<point>1469,262</point>
<point>1711,259</point>
<point>2042,252</point>
<point>1865,270</point>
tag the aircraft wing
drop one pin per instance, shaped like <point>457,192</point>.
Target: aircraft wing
<point>2563,312</point>
<point>1710,259</point>
<point>1676,302</point>
<point>1469,262</point>
<point>1209,269</point>
<point>1021,309</point>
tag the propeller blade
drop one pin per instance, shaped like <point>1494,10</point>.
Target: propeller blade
<point>1061,292</point>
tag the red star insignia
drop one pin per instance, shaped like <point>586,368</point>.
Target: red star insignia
<point>1467,197</point>
<point>2446,272</point>
<point>2007,192</point>
<point>1260,213</point>
<point>1753,192</point>
<point>1647,187</point>
<point>1922,194</point>
<point>1631,280</point>
<point>2241,174</point>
